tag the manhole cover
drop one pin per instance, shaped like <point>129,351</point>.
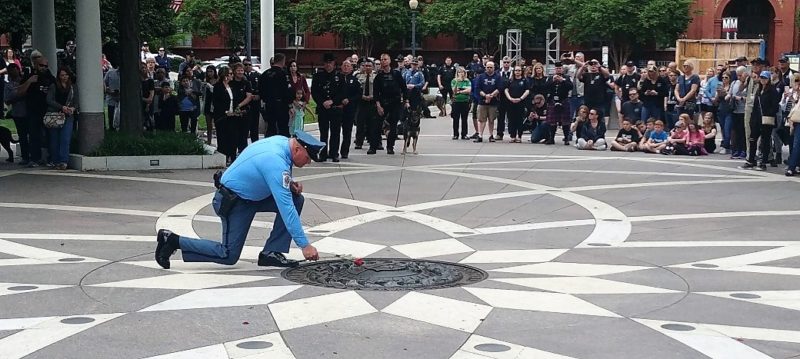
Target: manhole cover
<point>385,274</point>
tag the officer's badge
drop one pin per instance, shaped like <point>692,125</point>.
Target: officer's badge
<point>287,179</point>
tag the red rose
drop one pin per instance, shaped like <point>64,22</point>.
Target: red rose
<point>358,262</point>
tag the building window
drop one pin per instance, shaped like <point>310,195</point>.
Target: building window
<point>534,42</point>
<point>183,39</point>
<point>295,41</point>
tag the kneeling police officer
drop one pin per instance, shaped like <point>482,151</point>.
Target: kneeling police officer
<point>259,180</point>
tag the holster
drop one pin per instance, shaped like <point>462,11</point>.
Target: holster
<point>229,200</point>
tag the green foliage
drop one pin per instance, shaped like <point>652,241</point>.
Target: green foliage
<point>360,23</point>
<point>209,17</point>
<point>156,20</point>
<point>485,20</point>
<point>149,144</point>
<point>623,24</point>
<point>16,19</point>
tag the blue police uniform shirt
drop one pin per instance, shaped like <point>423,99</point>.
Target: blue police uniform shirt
<point>415,78</point>
<point>264,169</point>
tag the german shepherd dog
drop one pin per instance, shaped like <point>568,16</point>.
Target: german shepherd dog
<point>411,129</point>
<point>6,140</point>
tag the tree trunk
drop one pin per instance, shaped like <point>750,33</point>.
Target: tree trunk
<point>620,51</point>
<point>130,82</point>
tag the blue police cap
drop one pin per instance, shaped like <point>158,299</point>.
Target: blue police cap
<point>311,144</point>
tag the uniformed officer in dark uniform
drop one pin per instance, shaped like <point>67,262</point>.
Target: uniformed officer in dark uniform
<point>353,94</point>
<point>276,92</point>
<point>391,97</point>
<point>328,91</point>
<point>242,95</point>
<point>254,112</point>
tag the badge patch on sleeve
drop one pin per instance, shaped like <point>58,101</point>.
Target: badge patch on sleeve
<point>287,179</point>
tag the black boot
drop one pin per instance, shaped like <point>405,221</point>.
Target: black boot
<point>168,243</point>
<point>275,259</point>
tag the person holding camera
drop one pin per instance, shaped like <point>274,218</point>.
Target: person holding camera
<point>574,62</point>
<point>594,77</point>
<point>558,110</point>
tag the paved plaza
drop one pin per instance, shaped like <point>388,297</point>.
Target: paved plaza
<point>589,255</point>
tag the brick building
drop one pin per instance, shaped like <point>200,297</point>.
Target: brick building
<point>772,20</point>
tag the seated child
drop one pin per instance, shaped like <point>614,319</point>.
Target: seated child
<point>695,141</point>
<point>627,138</point>
<point>657,140</point>
<point>710,131</point>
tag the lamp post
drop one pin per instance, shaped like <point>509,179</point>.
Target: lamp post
<point>413,5</point>
<point>248,30</point>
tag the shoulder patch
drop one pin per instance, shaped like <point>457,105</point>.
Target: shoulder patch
<point>287,179</point>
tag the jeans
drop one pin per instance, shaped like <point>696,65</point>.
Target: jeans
<point>575,103</point>
<point>654,111</point>
<point>672,117</point>
<point>738,143</point>
<point>234,232</point>
<point>794,158</point>
<point>541,132</point>
<point>59,141</point>
<point>725,122</point>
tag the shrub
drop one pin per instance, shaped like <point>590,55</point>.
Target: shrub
<point>149,144</point>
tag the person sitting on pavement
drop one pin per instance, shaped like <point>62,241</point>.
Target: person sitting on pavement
<point>593,135</point>
<point>259,180</point>
<point>627,138</point>
<point>657,140</point>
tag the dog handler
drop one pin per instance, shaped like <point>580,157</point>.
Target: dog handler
<point>259,180</point>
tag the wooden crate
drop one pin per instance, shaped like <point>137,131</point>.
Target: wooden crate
<point>709,52</point>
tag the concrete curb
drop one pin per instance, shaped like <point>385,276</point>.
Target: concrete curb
<point>142,163</point>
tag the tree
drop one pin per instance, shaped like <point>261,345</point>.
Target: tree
<point>485,20</point>
<point>209,17</point>
<point>359,23</point>
<point>624,24</point>
<point>18,26</point>
<point>130,83</point>
<point>156,20</point>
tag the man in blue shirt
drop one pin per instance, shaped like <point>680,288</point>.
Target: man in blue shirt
<point>489,85</point>
<point>415,80</point>
<point>259,180</point>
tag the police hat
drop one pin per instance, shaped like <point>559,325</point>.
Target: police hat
<point>557,64</point>
<point>311,144</point>
<point>328,57</point>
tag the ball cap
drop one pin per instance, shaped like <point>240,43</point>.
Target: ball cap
<point>311,144</point>
<point>328,57</point>
<point>765,75</point>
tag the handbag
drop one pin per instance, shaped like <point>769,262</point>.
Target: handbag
<point>794,115</point>
<point>54,120</point>
<point>57,119</point>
